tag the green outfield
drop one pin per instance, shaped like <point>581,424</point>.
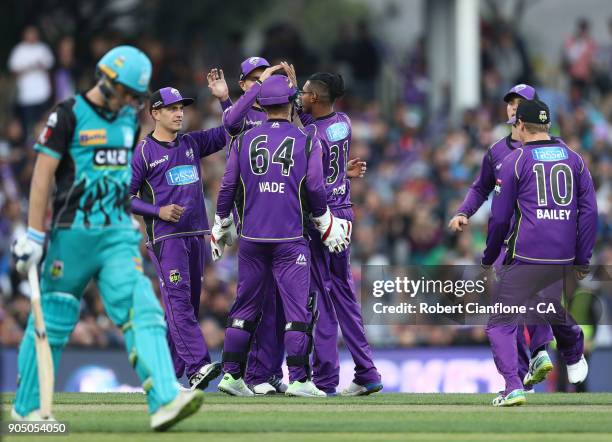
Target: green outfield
<point>383,417</point>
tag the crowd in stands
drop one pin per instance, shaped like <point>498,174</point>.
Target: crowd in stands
<point>420,162</point>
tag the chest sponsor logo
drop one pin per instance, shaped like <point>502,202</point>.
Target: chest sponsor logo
<point>337,131</point>
<point>109,158</point>
<point>498,166</point>
<point>182,175</point>
<point>158,161</point>
<point>92,137</point>
<point>556,153</point>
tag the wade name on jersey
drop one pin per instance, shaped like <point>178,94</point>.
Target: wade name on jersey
<point>271,187</point>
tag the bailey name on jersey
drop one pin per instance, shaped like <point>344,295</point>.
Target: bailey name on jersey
<point>554,214</point>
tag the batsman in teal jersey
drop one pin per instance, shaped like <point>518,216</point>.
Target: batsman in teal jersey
<point>86,149</point>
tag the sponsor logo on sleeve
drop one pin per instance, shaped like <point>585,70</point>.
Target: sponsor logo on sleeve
<point>92,137</point>
<point>111,158</point>
<point>48,130</point>
<point>182,175</point>
<point>301,260</point>
<point>337,131</point>
<point>555,153</point>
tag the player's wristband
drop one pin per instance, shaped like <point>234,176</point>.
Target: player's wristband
<point>258,82</point>
<point>36,235</point>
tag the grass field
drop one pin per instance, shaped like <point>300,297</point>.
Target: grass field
<point>382,417</point>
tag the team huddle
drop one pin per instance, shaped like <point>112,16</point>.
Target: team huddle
<point>285,198</point>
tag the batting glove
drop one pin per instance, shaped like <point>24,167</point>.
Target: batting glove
<point>28,250</point>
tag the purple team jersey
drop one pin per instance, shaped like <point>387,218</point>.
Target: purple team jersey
<point>169,173</point>
<point>275,176</point>
<point>550,192</point>
<point>334,133</point>
<point>484,184</point>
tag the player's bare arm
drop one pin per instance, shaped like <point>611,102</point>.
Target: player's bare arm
<point>42,181</point>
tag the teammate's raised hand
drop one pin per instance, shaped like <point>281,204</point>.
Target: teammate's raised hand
<point>356,168</point>
<point>456,223</point>
<point>171,213</point>
<point>217,85</point>
<point>269,71</point>
<point>290,71</point>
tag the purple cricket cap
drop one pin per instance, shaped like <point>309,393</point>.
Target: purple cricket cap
<point>167,96</point>
<point>522,91</point>
<point>276,90</point>
<point>252,63</point>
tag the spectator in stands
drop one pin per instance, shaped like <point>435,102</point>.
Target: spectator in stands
<point>30,61</point>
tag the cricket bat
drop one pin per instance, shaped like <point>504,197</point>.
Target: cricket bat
<point>43,350</point>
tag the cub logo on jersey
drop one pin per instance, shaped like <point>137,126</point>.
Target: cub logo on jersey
<point>175,276</point>
<point>182,175</point>
<point>556,153</point>
<point>109,158</point>
<point>92,137</point>
<point>337,131</point>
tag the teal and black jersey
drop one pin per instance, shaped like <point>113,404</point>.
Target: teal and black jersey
<point>95,152</point>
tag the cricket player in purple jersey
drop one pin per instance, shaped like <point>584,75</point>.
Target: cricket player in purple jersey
<point>532,369</point>
<point>275,176</point>
<point>166,189</point>
<point>331,276</point>
<point>549,189</point>
<point>264,372</point>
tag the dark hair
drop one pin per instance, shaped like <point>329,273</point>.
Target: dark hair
<point>276,107</point>
<point>333,84</point>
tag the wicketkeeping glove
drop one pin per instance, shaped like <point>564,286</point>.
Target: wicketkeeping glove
<point>221,236</point>
<point>335,232</point>
<point>28,250</point>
